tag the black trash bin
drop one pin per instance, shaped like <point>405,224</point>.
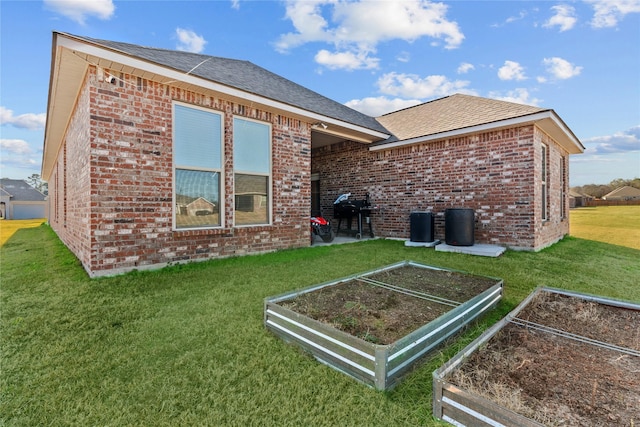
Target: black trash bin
<point>459,224</point>
<point>421,224</point>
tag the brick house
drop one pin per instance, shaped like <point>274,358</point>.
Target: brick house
<point>155,157</point>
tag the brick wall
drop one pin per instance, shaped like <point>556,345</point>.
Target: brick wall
<point>118,179</point>
<point>557,224</point>
<point>492,173</point>
<point>70,214</point>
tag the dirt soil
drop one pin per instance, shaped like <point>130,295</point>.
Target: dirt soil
<point>560,381</point>
<point>383,316</point>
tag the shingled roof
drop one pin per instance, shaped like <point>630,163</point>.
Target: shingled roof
<point>625,192</point>
<point>245,76</point>
<point>459,114</point>
<point>20,190</point>
<point>451,113</point>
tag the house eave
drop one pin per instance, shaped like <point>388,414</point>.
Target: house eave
<point>66,78</point>
<point>79,54</point>
<point>546,120</point>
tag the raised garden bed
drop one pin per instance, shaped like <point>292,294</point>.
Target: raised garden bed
<point>560,358</point>
<point>376,325</point>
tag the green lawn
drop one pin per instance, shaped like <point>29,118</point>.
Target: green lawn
<point>619,225</point>
<point>186,345</point>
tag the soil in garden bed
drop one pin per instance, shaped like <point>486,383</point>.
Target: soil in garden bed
<point>556,380</point>
<point>383,316</point>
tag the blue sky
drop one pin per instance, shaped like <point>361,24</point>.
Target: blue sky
<point>580,58</point>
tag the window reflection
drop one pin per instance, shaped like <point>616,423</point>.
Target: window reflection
<point>251,199</point>
<point>197,198</point>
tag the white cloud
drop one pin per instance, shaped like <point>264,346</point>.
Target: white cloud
<point>346,60</point>
<point>15,146</point>
<point>519,96</point>
<point>561,68</point>
<point>29,121</point>
<point>377,106</point>
<point>564,18</point>
<point>520,16</point>
<point>607,13</point>
<point>404,56</point>
<point>412,86</point>
<point>189,41</point>
<point>358,26</point>
<point>511,71</point>
<point>80,10</point>
<point>17,154</point>
<point>619,142</point>
<point>511,19</point>
<point>465,67</point>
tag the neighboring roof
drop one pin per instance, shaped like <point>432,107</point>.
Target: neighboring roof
<point>20,190</point>
<point>623,192</point>
<point>459,114</point>
<point>574,193</point>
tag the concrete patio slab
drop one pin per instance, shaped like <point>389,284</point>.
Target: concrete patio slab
<point>478,249</point>
<point>421,244</point>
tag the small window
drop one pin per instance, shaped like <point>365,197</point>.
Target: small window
<point>197,161</point>
<point>252,171</point>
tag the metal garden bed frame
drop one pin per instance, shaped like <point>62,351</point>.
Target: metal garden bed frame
<point>379,366</point>
<point>463,408</point>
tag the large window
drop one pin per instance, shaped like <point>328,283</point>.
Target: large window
<point>544,183</point>
<point>197,162</point>
<point>252,171</point>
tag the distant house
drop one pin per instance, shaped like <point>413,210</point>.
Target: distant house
<point>155,156</point>
<point>577,200</point>
<point>623,193</point>
<point>19,200</point>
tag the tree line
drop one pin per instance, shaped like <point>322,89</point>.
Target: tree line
<point>599,190</point>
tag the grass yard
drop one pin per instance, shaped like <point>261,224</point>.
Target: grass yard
<point>186,345</point>
<point>618,225</point>
<point>9,227</point>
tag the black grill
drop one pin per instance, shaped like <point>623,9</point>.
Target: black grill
<point>348,210</point>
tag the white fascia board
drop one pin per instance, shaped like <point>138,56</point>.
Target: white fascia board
<point>565,129</point>
<point>181,76</point>
<point>516,121</point>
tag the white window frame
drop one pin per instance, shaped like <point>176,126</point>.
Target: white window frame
<point>220,171</point>
<point>243,172</point>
